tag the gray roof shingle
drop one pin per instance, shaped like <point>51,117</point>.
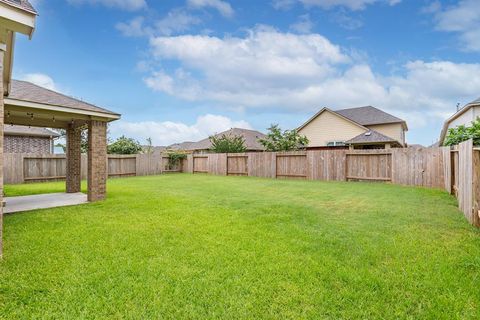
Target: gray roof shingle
<point>28,131</point>
<point>26,91</point>
<point>22,4</point>
<point>251,140</point>
<point>475,101</point>
<point>368,116</point>
<point>370,136</point>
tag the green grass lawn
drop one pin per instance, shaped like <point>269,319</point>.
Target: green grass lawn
<point>205,247</point>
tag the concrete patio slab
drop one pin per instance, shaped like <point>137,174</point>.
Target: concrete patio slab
<point>43,201</point>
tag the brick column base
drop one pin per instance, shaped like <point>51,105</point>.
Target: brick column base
<point>74,159</point>
<point>97,160</point>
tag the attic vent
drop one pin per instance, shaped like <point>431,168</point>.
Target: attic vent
<point>369,133</point>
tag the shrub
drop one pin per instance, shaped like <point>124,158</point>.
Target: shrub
<point>462,133</point>
<point>174,158</point>
<point>288,140</point>
<point>124,145</point>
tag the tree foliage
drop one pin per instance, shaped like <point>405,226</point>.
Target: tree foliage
<point>462,133</point>
<point>83,139</point>
<point>288,140</point>
<point>228,144</point>
<point>124,145</point>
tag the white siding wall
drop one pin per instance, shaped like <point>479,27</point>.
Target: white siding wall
<point>466,118</point>
<point>329,127</point>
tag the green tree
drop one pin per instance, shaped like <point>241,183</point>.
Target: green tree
<point>124,145</point>
<point>288,140</point>
<point>228,144</point>
<point>462,133</point>
<point>83,141</point>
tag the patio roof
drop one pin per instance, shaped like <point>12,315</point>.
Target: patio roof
<point>31,105</point>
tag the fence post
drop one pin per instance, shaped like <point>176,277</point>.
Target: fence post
<point>476,188</point>
<point>190,163</point>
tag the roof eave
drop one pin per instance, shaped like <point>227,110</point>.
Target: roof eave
<point>457,114</point>
<point>42,106</point>
<point>333,112</point>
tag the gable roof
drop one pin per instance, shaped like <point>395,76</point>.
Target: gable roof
<point>29,92</point>
<point>368,115</point>
<point>22,4</point>
<point>362,116</point>
<point>457,114</point>
<point>371,136</point>
<point>29,131</point>
<point>331,111</point>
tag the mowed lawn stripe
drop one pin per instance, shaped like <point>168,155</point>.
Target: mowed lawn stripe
<point>197,246</point>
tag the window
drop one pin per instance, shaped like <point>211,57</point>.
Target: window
<point>336,144</point>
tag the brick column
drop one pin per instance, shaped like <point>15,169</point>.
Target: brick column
<point>97,160</point>
<point>2,54</point>
<point>74,159</point>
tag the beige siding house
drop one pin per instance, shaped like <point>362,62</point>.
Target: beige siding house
<point>360,128</point>
<point>464,116</point>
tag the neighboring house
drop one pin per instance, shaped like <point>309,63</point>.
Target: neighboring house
<point>180,146</point>
<point>22,139</point>
<point>250,136</point>
<point>357,128</point>
<point>463,116</point>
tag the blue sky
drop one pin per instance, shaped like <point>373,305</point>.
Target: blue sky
<point>181,70</point>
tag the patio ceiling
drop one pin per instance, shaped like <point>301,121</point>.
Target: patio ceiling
<point>32,105</point>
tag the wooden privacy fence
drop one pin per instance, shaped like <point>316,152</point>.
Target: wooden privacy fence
<point>21,168</point>
<point>414,167</point>
<point>455,170</point>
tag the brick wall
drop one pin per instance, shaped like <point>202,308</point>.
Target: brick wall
<point>24,144</point>
<point>97,160</point>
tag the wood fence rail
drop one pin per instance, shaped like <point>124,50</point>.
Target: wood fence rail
<point>456,170</point>
<point>21,168</point>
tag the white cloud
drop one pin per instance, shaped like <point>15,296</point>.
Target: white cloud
<point>270,69</point>
<point>133,28</point>
<point>176,21</point>
<point>328,4</point>
<point>130,5</point>
<point>303,25</point>
<point>41,80</point>
<point>168,132</point>
<point>342,18</point>
<point>464,19</point>
<point>223,7</point>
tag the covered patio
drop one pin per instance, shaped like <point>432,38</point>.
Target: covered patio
<point>23,103</point>
<point>31,105</point>
<point>43,201</point>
